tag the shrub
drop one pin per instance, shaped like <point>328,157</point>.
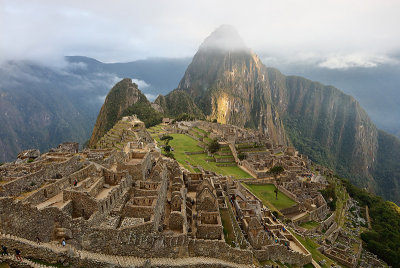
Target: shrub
<point>214,146</point>
<point>277,169</point>
<point>242,156</point>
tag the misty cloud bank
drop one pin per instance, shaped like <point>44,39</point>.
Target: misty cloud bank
<point>340,34</point>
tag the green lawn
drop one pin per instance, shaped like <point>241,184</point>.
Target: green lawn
<point>267,195</point>
<point>183,143</point>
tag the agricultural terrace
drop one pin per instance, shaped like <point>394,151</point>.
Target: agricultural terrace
<point>182,143</point>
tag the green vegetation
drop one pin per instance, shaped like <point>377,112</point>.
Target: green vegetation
<point>144,112</point>
<point>384,238</point>
<point>330,195</point>
<point>228,228</point>
<point>387,170</point>
<point>276,170</point>
<point>182,143</point>
<point>214,146</point>
<point>184,117</point>
<point>178,103</point>
<point>309,224</point>
<point>166,138</point>
<point>241,156</point>
<point>311,246</point>
<point>267,195</point>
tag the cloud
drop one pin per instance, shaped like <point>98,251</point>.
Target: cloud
<point>356,60</point>
<point>141,84</point>
<point>121,30</point>
<point>151,97</point>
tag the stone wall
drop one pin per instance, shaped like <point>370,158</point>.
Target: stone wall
<point>162,199</point>
<point>33,181</point>
<point>37,252</point>
<point>136,240</point>
<point>280,253</point>
<point>291,210</point>
<point>219,249</point>
<point>224,159</point>
<point>209,231</point>
<point>326,223</point>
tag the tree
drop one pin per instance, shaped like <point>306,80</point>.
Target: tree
<point>166,139</point>
<point>242,156</point>
<point>214,146</point>
<point>276,170</point>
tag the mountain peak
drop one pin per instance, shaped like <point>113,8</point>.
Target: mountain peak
<point>224,38</point>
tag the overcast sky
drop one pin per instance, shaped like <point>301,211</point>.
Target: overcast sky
<point>335,34</point>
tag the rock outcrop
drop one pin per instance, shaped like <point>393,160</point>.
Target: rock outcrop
<point>228,82</point>
<point>327,125</point>
<point>123,99</point>
<point>177,102</point>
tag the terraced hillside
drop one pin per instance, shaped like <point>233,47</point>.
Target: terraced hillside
<point>189,151</point>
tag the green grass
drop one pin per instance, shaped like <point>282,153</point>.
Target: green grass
<point>311,246</point>
<point>183,143</point>
<point>267,195</point>
<point>223,156</point>
<point>309,225</point>
<point>228,229</point>
<point>201,130</point>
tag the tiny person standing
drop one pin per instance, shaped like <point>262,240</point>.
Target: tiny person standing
<point>4,248</point>
<point>18,254</point>
<point>63,242</point>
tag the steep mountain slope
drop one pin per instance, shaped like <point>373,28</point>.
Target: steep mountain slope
<point>37,112</point>
<point>386,170</point>
<point>375,88</point>
<point>123,99</point>
<point>327,125</point>
<point>42,106</point>
<point>176,103</point>
<point>228,83</point>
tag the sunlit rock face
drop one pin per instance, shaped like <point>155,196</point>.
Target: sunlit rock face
<point>229,83</point>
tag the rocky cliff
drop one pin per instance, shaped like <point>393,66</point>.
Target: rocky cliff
<point>229,83</point>
<point>177,102</point>
<point>327,125</point>
<point>123,99</point>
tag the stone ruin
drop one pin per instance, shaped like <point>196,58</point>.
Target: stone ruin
<point>129,200</point>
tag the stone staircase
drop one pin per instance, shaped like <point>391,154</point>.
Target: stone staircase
<point>118,261</point>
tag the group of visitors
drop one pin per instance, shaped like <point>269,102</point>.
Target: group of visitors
<point>17,252</point>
